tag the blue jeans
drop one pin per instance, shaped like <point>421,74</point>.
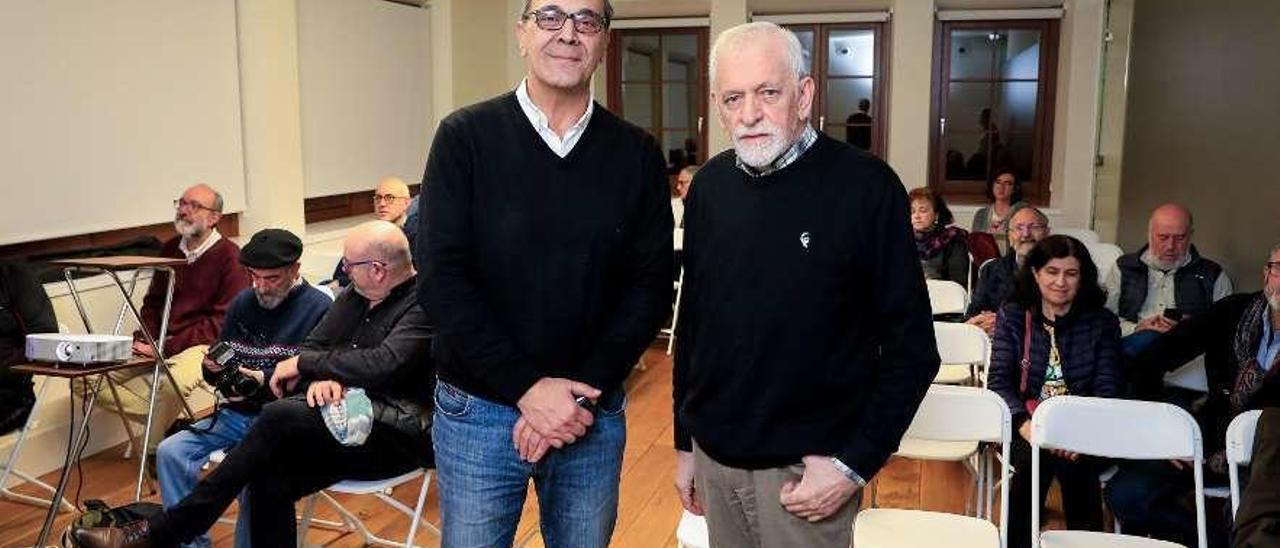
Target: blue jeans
<point>180,457</point>
<point>1138,341</point>
<point>483,481</point>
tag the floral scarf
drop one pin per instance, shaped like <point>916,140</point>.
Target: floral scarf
<point>932,242</point>
<point>1250,375</point>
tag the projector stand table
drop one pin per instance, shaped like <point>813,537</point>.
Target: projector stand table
<point>111,266</point>
<point>77,434</point>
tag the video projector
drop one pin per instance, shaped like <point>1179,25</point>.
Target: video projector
<point>78,349</point>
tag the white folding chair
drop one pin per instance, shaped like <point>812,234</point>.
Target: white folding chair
<point>670,331</point>
<point>1189,377</point>
<point>965,351</point>
<point>1086,236</point>
<point>1104,256</point>
<point>380,489</point>
<point>350,522</point>
<point>947,297</point>
<point>692,532</point>
<point>948,414</point>
<point>1121,429</point>
<point>1240,450</point>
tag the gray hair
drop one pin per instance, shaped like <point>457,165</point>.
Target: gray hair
<point>608,11</point>
<point>734,37</point>
<point>217,201</point>
<point>1274,249</point>
<point>394,253</point>
<point>1040,216</point>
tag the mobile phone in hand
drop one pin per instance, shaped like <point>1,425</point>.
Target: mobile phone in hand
<point>1173,314</point>
<point>586,403</point>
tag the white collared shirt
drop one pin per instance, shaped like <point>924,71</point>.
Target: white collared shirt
<point>193,256</point>
<point>559,145</point>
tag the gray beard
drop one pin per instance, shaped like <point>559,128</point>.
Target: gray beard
<point>1273,301</point>
<point>188,229</point>
<point>269,302</point>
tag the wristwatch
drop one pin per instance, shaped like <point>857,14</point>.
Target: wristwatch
<point>848,472</point>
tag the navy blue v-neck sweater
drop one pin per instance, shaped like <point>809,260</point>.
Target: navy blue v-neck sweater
<point>540,266</point>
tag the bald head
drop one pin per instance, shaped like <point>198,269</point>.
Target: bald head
<point>379,241</point>
<point>391,200</point>
<point>1169,235</point>
<point>206,195</point>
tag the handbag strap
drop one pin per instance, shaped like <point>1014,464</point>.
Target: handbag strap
<point>1026,353</point>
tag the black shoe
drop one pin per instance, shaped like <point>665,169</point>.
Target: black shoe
<point>135,534</point>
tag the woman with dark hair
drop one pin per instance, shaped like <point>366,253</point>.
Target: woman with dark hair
<point>1054,337</point>
<point>1004,196</point>
<point>943,248</point>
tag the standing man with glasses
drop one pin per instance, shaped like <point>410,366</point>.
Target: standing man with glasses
<point>546,251</point>
<point>390,203</point>
<point>202,291</point>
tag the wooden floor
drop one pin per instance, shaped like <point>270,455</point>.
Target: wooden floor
<point>648,507</point>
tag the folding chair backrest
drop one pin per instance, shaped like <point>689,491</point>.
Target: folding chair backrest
<point>947,297</point>
<point>960,343</point>
<point>1104,256</point>
<point>1125,429</point>
<point>961,413</point>
<point>1240,437</point>
<point>1085,235</point>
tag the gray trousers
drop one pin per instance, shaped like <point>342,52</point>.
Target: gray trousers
<point>743,511</point>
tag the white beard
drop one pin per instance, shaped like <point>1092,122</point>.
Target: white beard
<point>762,154</point>
<point>1273,300</point>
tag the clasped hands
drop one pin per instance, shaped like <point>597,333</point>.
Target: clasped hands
<point>550,417</point>
<point>821,492</point>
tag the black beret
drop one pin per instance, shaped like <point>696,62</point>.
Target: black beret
<point>271,248</point>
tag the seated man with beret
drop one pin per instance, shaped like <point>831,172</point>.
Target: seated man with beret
<point>264,325</point>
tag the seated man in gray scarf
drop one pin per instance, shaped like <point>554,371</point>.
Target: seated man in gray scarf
<point>1237,337</point>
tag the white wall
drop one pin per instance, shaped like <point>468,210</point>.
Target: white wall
<point>111,109</point>
<point>365,80</point>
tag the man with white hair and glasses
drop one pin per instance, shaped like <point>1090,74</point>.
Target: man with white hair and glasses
<point>546,250</point>
<point>805,342</point>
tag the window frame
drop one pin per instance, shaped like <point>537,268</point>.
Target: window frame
<point>821,43</point>
<point>702,90</point>
<point>1036,189</point>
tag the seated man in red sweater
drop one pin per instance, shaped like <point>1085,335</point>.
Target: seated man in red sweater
<point>203,289</point>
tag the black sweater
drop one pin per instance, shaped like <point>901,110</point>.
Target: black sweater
<point>540,266</point>
<point>804,323</point>
<point>24,309</point>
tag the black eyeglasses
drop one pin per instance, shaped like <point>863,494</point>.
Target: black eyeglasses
<point>191,205</point>
<point>553,18</point>
<point>1273,268</point>
<point>349,266</point>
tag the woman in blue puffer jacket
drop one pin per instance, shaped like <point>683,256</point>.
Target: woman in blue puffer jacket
<point>1054,337</point>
